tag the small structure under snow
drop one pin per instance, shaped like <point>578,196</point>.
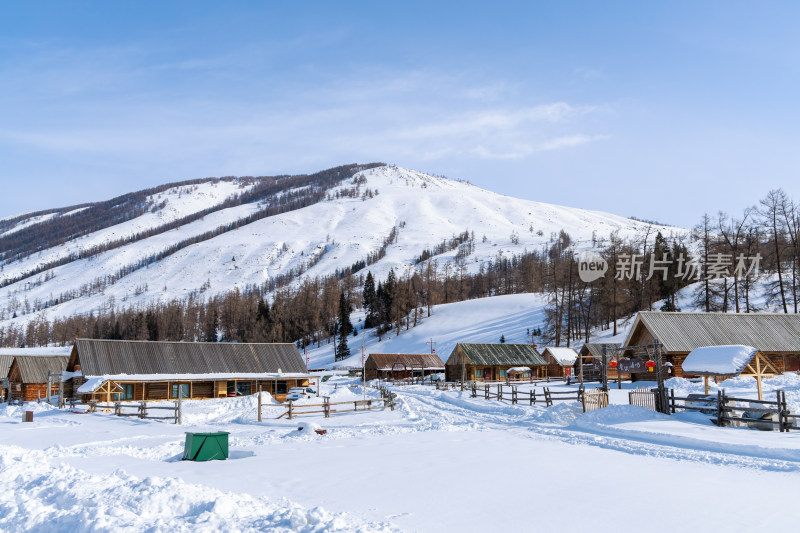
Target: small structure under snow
<point>729,361</point>
<point>560,361</point>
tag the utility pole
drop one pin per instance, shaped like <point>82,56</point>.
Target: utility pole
<point>432,344</point>
<point>364,365</point>
<point>604,368</point>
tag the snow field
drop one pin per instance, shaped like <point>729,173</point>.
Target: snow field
<point>440,461</point>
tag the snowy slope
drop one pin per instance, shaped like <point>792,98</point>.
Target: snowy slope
<point>481,320</point>
<point>318,239</point>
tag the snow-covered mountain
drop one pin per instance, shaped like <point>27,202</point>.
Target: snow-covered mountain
<point>386,213</point>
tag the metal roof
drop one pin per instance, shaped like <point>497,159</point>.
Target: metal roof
<point>385,361</point>
<point>595,349</point>
<point>5,365</point>
<point>112,357</point>
<point>498,354</point>
<point>683,332</point>
<point>34,368</point>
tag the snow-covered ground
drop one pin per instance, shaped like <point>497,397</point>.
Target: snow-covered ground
<point>441,461</point>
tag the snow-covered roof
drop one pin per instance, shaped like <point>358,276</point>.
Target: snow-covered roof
<point>519,369</point>
<point>562,355</point>
<point>91,385</point>
<point>728,360</point>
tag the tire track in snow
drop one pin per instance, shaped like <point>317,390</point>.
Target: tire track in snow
<point>459,411</point>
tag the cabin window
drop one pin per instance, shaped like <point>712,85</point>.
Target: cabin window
<point>243,389</point>
<point>128,394</point>
<point>280,387</point>
<point>231,388</point>
<point>478,372</point>
<point>502,373</point>
<point>184,390</point>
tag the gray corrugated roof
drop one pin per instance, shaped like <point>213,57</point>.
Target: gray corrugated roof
<point>683,332</point>
<point>500,354</point>
<point>34,368</point>
<point>384,361</point>
<point>5,365</point>
<point>110,357</point>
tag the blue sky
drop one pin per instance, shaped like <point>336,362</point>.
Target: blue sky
<point>662,110</point>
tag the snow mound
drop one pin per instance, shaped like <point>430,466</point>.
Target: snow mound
<point>64,499</point>
<point>562,414</point>
<point>306,430</point>
<point>615,414</point>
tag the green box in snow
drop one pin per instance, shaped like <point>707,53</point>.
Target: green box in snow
<point>206,446</point>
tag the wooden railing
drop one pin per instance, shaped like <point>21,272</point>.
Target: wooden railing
<point>546,397</point>
<point>326,406</point>
<point>142,409</point>
<point>725,411</point>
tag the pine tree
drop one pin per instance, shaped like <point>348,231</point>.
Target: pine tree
<point>210,327</point>
<point>370,302</point>
<point>345,327</point>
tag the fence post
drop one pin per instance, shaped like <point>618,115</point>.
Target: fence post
<point>533,397</point>
<point>474,391</point>
<point>781,414</point>
<point>499,393</point>
<point>326,406</point>
<point>259,402</point>
<point>486,391</point>
<point>719,408</point>
<point>290,409</point>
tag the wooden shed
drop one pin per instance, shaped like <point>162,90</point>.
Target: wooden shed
<point>591,357</point>
<point>491,362</point>
<point>775,335</point>
<point>402,365</point>
<point>146,370</point>
<point>27,377</point>
<point>724,362</point>
<point>560,361</point>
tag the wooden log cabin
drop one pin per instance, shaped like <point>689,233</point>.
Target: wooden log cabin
<point>146,370</point>
<point>402,365</point>
<point>27,376</point>
<point>591,356</point>
<point>491,362</point>
<point>775,335</point>
<point>560,361</point>
<point>5,366</point>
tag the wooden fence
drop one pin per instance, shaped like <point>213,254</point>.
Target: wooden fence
<point>726,411</point>
<point>546,397</point>
<point>594,399</point>
<point>142,409</point>
<point>326,406</point>
<point>642,398</point>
